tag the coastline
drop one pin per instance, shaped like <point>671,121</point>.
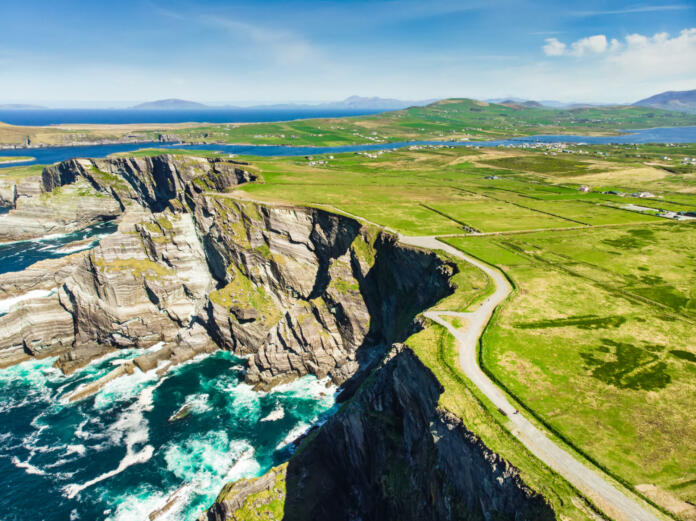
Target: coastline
<point>403,142</point>
<point>26,159</point>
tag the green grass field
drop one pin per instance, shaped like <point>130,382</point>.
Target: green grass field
<point>596,341</point>
<point>15,159</point>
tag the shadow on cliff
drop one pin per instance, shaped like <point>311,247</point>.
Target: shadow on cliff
<point>402,282</point>
<point>390,453</point>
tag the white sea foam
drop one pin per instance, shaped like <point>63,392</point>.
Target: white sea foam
<point>194,404</point>
<point>76,248</point>
<point>80,432</point>
<point>138,504</point>
<point>307,386</point>
<point>7,304</point>
<point>242,396</point>
<point>78,449</point>
<point>124,387</point>
<point>131,427</point>
<point>131,458</point>
<point>51,236</point>
<point>297,431</point>
<point>210,459</point>
<point>28,467</point>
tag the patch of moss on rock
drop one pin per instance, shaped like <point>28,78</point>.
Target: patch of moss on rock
<point>242,293</point>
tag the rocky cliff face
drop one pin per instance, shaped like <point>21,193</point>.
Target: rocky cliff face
<point>390,453</point>
<point>298,290</point>
<point>80,192</point>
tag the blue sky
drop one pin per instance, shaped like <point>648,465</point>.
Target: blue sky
<point>71,52</point>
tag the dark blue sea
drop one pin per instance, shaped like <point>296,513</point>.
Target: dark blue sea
<point>116,456</point>
<point>55,154</point>
<point>41,117</point>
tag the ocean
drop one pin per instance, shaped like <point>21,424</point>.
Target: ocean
<point>41,117</point>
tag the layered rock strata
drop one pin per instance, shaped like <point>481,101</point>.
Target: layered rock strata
<point>297,290</point>
<point>80,192</point>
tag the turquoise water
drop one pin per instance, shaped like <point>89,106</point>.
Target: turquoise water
<point>117,456</point>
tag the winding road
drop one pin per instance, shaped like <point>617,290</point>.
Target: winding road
<point>591,483</point>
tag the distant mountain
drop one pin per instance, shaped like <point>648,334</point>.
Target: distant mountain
<point>19,106</point>
<point>375,103</point>
<point>350,103</point>
<point>552,104</point>
<point>681,101</point>
<point>170,104</point>
<point>531,104</point>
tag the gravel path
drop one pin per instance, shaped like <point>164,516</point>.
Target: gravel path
<point>591,483</point>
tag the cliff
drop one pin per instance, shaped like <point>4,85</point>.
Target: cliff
<point>80,192</point>
<point>389,453</point>
<point>298,290</point>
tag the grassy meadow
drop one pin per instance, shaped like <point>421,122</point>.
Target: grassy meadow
<point>450,119</point>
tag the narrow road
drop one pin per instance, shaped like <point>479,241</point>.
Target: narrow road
<point>614,502</point>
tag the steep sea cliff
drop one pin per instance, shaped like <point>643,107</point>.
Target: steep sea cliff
<point>295,292</point>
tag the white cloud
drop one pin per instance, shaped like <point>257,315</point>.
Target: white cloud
<point>553,47</point>
<point>659,51</point>
<point>657,55</point>
<point>596,44</point>
<point>612,69</point>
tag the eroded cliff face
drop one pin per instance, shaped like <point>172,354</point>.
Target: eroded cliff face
<point>80,192</point>
<point>391,453</point>
<point>298,290</point>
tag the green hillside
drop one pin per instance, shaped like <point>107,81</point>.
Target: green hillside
<point>452,119</point>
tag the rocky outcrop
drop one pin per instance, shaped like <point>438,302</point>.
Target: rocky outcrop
<point>326,292</point>
<point>144,284</point>
<point>65,210</point>
<point>152,182</point>
<point>78,193</point>
<point>391,453</point>
<point>12,189</point>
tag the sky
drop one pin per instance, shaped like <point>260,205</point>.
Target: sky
<point>86,52</point>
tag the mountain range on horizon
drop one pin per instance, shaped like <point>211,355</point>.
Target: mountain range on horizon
<point>680,101</point>
<point>352,102</point>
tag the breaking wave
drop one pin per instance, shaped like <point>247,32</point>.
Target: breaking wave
<point>119,456</point>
